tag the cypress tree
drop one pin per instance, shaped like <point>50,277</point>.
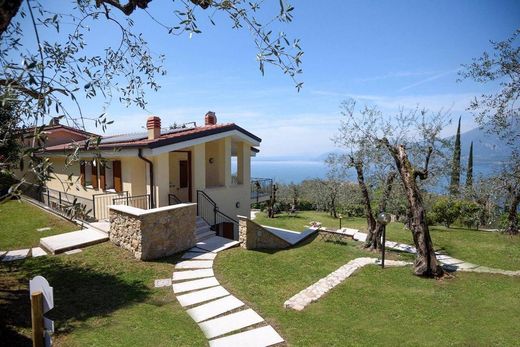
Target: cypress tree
<point>469,174</point>
<point>455,166</point>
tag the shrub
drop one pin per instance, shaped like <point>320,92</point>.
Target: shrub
<point>470,214</point>
<point>446,211</point>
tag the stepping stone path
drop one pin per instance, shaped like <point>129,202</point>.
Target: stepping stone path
<point>449,263</point>
<point>16,255</point>
<point>38,252</point>
<point>223,318</point>
<point>324,285</point>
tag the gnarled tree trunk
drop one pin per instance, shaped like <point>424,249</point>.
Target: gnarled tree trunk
<point>371,222</point>
<point>426,263</point>
<point>373,241</point>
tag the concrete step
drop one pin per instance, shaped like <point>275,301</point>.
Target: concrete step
<point>216,244</point>
<point>204,236</point>
<point>259,337</point>
<point>73,240</point>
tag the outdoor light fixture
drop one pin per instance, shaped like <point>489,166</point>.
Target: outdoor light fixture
<point>211,160</point>
<point>383,218</point>
<point>237,204</point>
<point>340,216</point>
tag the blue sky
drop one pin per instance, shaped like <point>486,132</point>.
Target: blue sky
<point>391,53</point>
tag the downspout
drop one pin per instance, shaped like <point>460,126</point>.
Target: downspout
<point>152,195</point>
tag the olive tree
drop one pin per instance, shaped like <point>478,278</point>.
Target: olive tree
<point>410,137</point>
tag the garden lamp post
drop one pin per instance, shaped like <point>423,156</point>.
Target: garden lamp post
<point>340,216</point>
<point>383,218</point>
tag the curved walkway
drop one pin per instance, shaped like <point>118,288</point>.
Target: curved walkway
<point>317,290</point>
<point>320,288</point>
<point>223,318</point>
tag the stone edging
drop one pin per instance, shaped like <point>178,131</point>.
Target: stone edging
<point>315,291</point>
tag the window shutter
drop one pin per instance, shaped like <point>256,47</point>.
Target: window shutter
<point>102,180</point>
<point>94,175</point>
<point>82,172</point>
<point>118,182</point>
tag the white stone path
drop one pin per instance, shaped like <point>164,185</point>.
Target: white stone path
<point>20,254</point>
<point>448,262</point>
<point>223,318</point>
<point>317,290</point>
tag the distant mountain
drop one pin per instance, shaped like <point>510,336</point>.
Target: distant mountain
<point>487,148</point>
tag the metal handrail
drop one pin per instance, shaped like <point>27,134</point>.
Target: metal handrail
<point>261,187</point>
<point>127,200</point>
<point>175,199</point>
<point>203,210</point>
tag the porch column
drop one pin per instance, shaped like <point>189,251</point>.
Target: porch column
<point>244,163</point>
<point>162,178</point>
<point>227,161</point>
<point>198,169</point>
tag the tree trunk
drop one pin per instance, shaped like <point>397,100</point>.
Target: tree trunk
<point>409,217</point>
<point>426,263</point>
<point>8,9</point>
<point>371,222</point>
<point>512,217</point>
<point>374,238</point>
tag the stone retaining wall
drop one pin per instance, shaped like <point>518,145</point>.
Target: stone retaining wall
<point>253,236</point>
<point>155,233</point>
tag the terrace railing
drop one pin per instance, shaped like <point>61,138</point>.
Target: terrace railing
<point>70,205</point>
<point>261,188</point>
<point>140,201</point>
<point>103,200</point>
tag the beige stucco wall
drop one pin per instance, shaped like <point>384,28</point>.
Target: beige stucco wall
<point>133,175</point>
<point>213,178</point>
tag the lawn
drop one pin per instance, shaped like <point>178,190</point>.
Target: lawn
<point>19,221</point>
<point>103,297</point>
<point>491,249</point>
<point>374,307</point>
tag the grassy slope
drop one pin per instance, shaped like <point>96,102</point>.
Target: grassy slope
<point>374,307</point>
<point>19,221</point>
<point>479,247</point>
<point>103,297</point>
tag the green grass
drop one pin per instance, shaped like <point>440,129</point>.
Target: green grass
<point>103,297</point>
<point>491,249</point>
<point>19,221</point>
<point>374,307</point>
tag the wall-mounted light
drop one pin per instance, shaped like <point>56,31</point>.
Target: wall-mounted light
<point>237,204</point>
<point>211,160</point>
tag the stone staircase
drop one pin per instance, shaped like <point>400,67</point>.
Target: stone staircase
<point>203,230</point>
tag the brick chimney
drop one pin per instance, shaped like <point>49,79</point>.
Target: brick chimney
<point>153,124</point>
<point>210,118</point>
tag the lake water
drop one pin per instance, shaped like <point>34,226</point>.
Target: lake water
<point>298,170</point>
<point>288,171</point>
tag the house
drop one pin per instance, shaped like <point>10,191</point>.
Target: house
<point>208,164</point>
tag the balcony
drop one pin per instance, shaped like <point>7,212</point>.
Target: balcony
<point>261,189</point>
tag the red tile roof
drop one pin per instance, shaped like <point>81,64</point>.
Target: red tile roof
<point>164,139</point>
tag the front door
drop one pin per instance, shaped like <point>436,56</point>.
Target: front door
<point>226,230</point>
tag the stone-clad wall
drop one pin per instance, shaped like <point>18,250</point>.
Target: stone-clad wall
<point>253,236</point>
<point>155,233</point>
